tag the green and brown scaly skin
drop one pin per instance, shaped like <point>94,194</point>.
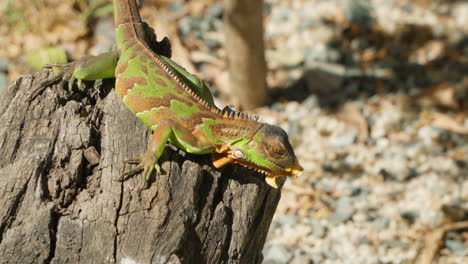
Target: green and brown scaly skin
<point>163,95</point>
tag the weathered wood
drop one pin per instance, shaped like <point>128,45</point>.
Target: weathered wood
<point>59,203</point>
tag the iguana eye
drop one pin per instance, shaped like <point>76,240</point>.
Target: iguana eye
<point>278,151</point>
<point>238,154</point>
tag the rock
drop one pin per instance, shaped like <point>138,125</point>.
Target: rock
<point>279,107</point>
<point>104,35</point>
<point>395,243</point>
<point>290,220</point>
<point>284,58</point>
<point>325,78</point>
<point>386,174</point>
<point>364,240</point>
<point>343,211</point>
<point>461,14</point>
<point>358,191</point>
<point>216,10</point>
<point>3,82</point>
<point>321,53</point>
<point>358,12</point>
<point>344,139</point>
<point>185,25</point>
<point>213,44</point>
<point>277,254</point>
<point>204,25</point>
<point>311,102</point>
<point>4,62</point>
<point>294,128</point>
<point>330,254</point>
<point>318,229</point>
<point>410,215</point>
<point>395,167</point>
<point>176,6</point>
<point>3,75</point>
<point>457,247</point>
<point>301,258</point>
<point>193,25</point>
<point>381,222</point>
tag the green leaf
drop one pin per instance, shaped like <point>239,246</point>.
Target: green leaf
<point>52,54</point>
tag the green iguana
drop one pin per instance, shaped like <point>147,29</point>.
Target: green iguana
<point>176,105</point>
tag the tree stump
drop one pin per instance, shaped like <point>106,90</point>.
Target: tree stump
<point>59,156</point>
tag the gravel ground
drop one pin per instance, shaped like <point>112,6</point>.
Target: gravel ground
<point>385,161</point>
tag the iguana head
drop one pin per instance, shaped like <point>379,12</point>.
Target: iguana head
<point>268,151</point>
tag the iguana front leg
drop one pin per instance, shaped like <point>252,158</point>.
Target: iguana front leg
<point>167,130</point>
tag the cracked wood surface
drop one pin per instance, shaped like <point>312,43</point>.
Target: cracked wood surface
<point>59,203</point>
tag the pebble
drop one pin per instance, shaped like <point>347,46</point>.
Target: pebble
<point>358,11</point>
<point>457,247</point>
<point>324,78</point>
<point>318,229</point>
<point>3,82</point>
<point>343,211</point>
<point>196,25</point>
<point>311,102</point>
<point>176,7</point>
<point>283,58</point>
<point>104,35</point>
<point>321,53</point>
<point>3,75</point>
<point>290,220</point>
<point>4,64</point>
<point>216,10</point>
<point>277,254</point>
<point>344,139</point>
<point>301,259</point>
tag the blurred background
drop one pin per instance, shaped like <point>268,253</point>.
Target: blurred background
<point>372,93</point>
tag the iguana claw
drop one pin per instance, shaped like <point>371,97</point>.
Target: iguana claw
<point>65,75</point>
<point>148,164</point>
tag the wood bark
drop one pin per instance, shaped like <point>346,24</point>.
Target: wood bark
<point>59,202</point>
<point>243,23</point>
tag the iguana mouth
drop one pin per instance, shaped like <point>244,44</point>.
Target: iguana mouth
<point>220,160</point>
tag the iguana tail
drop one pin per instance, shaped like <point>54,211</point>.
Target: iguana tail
<point>126,11</point>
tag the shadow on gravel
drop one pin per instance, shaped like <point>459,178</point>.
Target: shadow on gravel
<point>413,61</point>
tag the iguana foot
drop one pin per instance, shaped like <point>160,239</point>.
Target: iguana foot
<point>66,75</point>
<point>146,163</point>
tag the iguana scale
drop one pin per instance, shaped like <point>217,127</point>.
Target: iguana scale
<point>176,105</point>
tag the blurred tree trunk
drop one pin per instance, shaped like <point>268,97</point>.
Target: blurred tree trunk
<point>243,21</point>
<point>60,204</point>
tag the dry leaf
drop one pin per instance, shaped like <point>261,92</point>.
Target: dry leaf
<point>203,57</point>
<point>441,95</point>
<point>196,7</point>
<point>428,52</point>
<point>447,122</point>
<point>351,114</point>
